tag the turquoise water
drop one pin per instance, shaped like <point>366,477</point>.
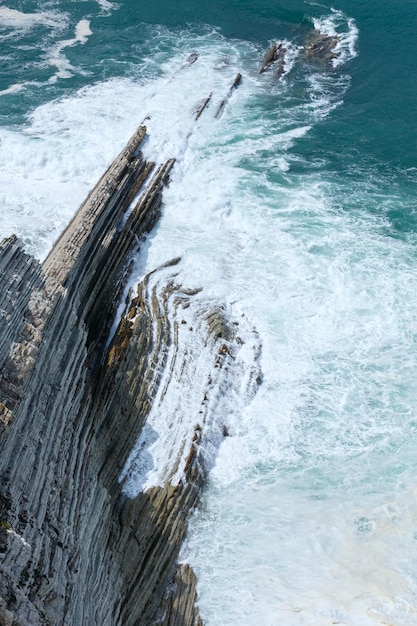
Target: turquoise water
<point>297,209</point>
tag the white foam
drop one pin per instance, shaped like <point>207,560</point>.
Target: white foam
<point>12,89</point>
<point>55,56</point>
<point>23,21</point>
<point>82,31</point>
<point>338,24</point>
<point>335,390</point>
<point>328,559</point>
<point>47,170</point>
<point>291,55</point>
<point>107,6</point>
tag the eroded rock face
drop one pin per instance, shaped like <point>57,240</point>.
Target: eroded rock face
<point>26,298</point>
<point>76,546</point>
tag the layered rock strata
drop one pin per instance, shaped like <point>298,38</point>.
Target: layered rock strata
<point>74,548</point>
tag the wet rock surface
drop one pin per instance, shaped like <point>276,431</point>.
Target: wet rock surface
<point>321,48</point>
<point>74,549</point>
<point>274,59</point>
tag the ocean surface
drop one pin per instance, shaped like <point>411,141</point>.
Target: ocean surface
<point>297,208</point>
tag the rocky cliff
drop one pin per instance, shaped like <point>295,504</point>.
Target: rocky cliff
<point>76,548</point>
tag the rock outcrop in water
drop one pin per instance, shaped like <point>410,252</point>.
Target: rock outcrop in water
<point>74,549</point>
<point>318,48</point>
<point>321,47</point>
<point>274,59</point>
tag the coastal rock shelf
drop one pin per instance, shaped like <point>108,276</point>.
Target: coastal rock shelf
<point>77,545</point>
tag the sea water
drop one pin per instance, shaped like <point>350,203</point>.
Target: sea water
<point>296,208</point>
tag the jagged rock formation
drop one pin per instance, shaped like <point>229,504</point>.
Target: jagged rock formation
<point>274,58</point>
<point>321,47</point>
<point>74,548</point>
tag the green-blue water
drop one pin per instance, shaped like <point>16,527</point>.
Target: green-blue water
<point>297,209</point>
